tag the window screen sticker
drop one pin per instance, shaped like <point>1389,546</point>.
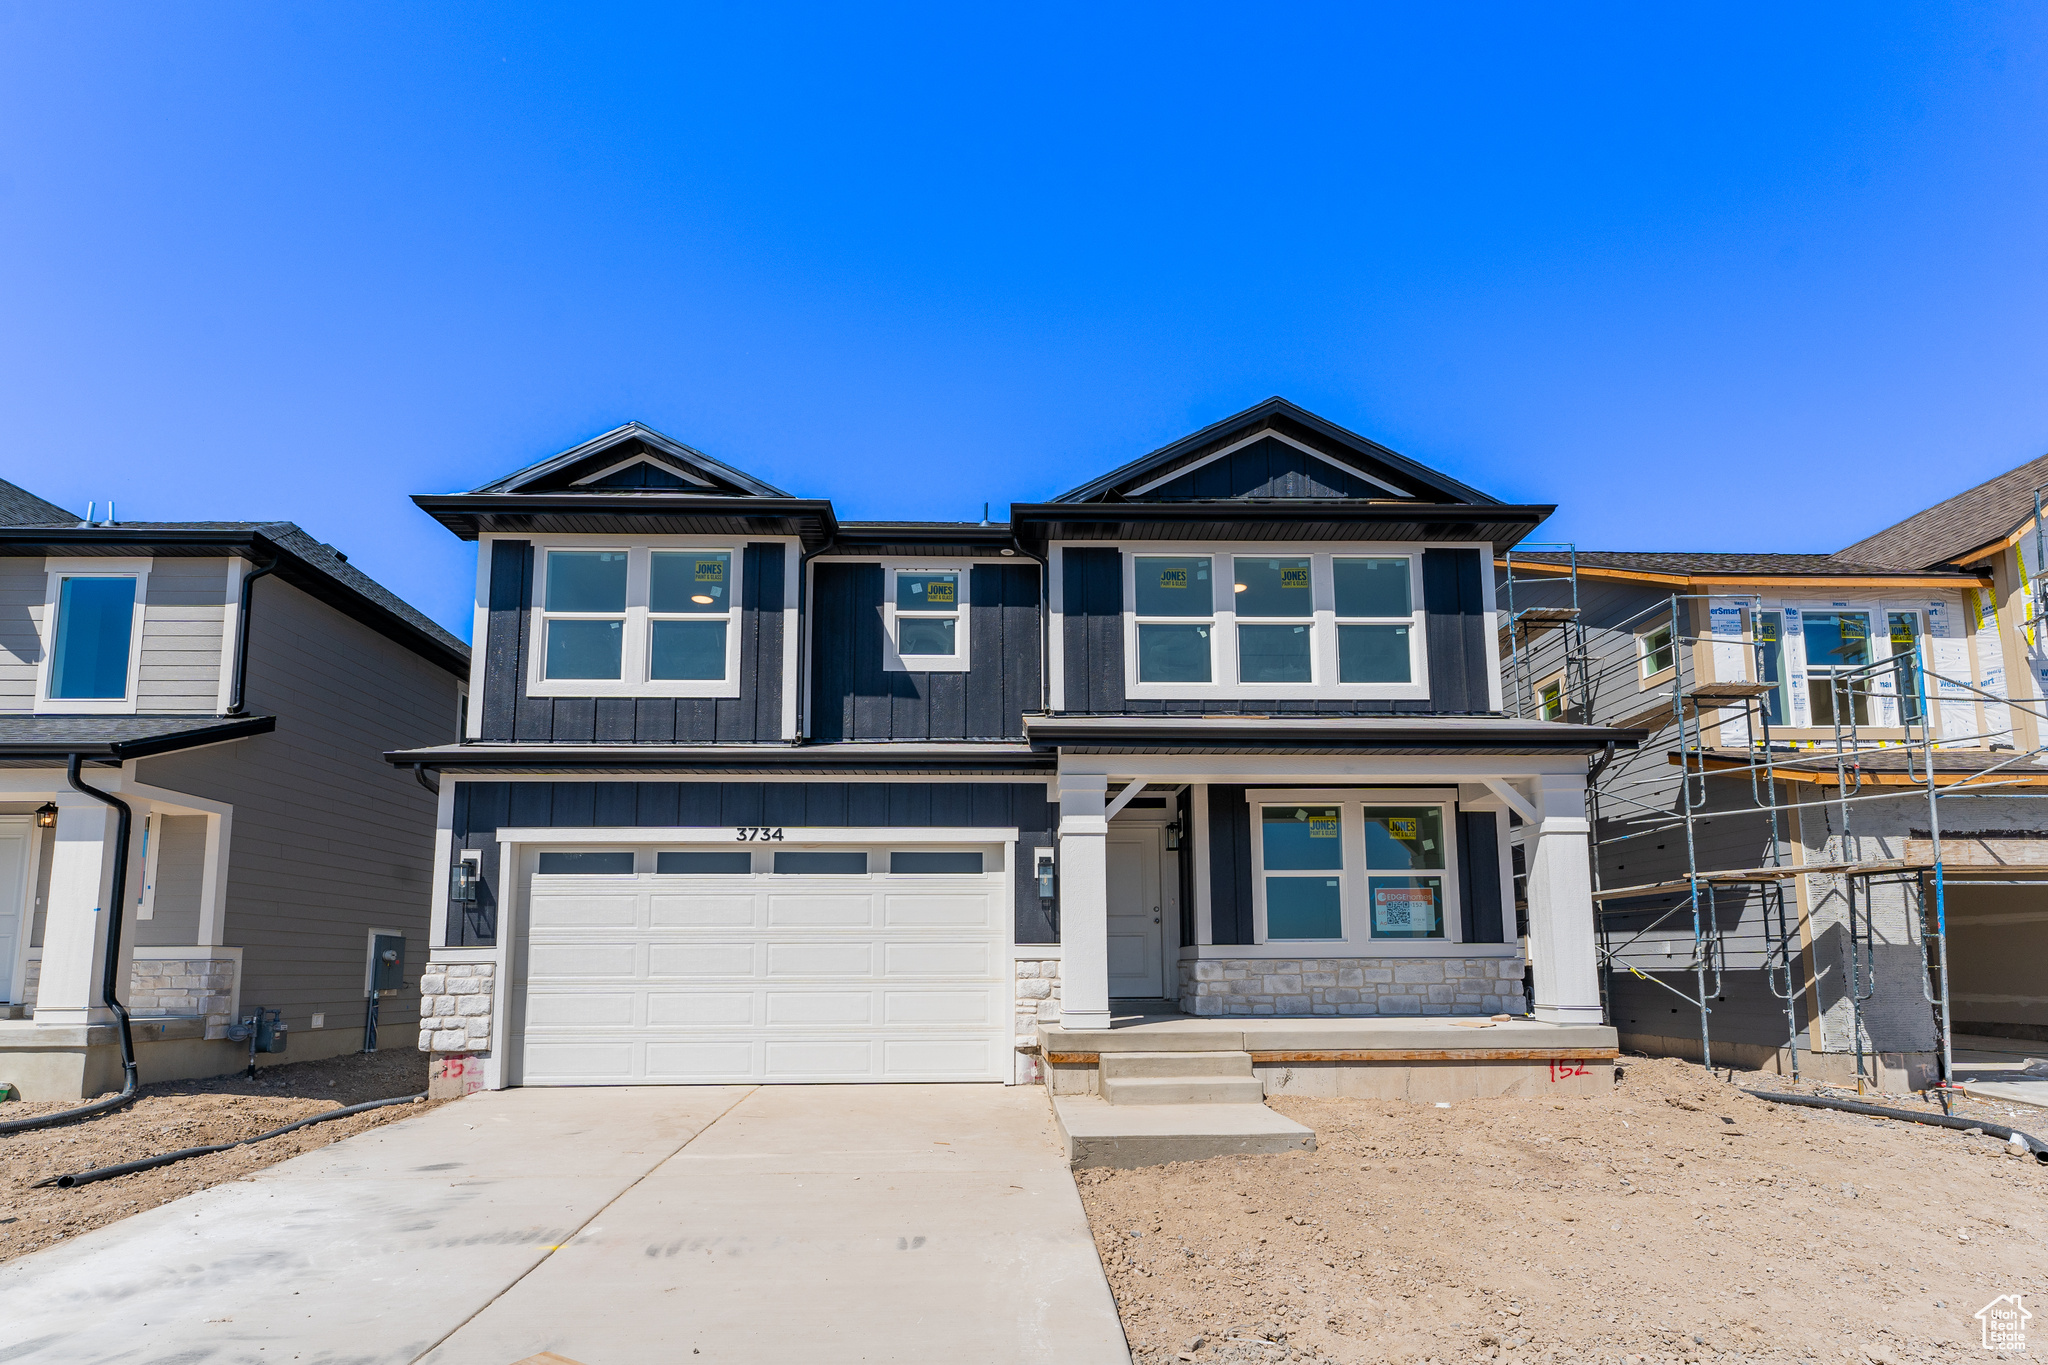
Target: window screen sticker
<point>1398,909</point>
<point>1403,827</point>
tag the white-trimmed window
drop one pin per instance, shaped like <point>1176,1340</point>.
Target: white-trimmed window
<point>1656,651</point>
<point>636,620</point>
<point>1273,623</point>
<point>92,635</point>
<point>1345,867</point>
<point>924,618</point>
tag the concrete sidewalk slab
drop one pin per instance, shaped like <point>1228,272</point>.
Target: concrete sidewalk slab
<point>371,1249</point>
<point>861,1223</point>
<point>856,1222</point>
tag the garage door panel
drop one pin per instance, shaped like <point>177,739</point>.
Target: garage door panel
<point>706,912</point>
<point>615,911</point>
<point>689,1061</point>
<point>669,1008</point>
<point>951,959</point>
<point>674,978</point>
<point>950,911</point>
<point>966,1007</point>
<point>700,959</point>
<point>614,960</point>
<point>580,1009</point>
<point>854,958</point>
<point>809,911</point>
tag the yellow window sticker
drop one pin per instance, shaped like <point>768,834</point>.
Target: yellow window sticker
<point>710,571</point>
<point>1403,827</point>
<point>1294,578</point>
<point>1173,578</point>
<point>939,591</point>
<point>1323,827</point>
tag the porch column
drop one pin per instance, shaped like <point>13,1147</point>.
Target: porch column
<point>1084,900</point>
<point>76,918</point>
<point>1563,948</point>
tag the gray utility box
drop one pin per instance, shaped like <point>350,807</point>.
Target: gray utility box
<point>387,964</point>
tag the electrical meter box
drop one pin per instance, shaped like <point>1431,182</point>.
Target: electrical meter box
<point>387,964</point>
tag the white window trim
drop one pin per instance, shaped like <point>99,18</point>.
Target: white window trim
<point>892,659</point>
<point>59,569</point>
<point>633,663</point>
<point>1357,901</point>
<point>1223,624</point>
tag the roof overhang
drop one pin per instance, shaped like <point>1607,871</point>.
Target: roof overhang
<point>964,539</point>
<point>1352,735</point>
<point>1277,519</point>
<point>730,760</point>
<point>469,515</point>
<point>110,749</point>
<point>1737,583</point>
<point>173,543</point>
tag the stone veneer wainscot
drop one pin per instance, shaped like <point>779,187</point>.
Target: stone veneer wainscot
<point>1352,985</point>
<point>455,1006</point>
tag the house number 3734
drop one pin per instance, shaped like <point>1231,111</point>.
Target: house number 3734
<point>757,833</point>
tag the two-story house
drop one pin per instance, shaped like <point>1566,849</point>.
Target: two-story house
<point>221,694</point>
<point>748,793</point>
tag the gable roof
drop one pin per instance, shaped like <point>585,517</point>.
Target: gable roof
<point>1971,520</point>
<point>1373,470</point>
<point>19,507</point>
<point>311,565</point>
<point>622,448</point>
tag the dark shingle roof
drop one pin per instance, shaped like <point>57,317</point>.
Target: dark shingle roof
<point>19,507</point>
<point>41,739</point>
<point>1691,563</point>
<point>1990,511</point>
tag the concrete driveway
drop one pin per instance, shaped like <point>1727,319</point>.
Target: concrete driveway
<point>613,1227</point>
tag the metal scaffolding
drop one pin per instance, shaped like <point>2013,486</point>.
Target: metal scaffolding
<point>1565,676</point>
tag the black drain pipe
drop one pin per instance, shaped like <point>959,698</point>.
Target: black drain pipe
<point>150,1163</point>
<point>1997,1130</point>
<point>110,975</point>
<point>236,702</point>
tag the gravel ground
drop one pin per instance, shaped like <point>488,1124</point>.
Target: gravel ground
<point>186,1114</point>
<point>1674,1220</point>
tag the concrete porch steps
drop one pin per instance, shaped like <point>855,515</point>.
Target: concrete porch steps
<point>1130,1078</point>
<point>1098,1133</point>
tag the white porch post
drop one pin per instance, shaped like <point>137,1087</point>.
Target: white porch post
<point>1563,948</point>
<point>1084,901</point>
<point>76,919</point>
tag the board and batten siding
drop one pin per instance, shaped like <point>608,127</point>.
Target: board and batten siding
<point>754,716</point>
<point>854,697</point>
<point>483,808</point>
<point>329,840</point>
<point>1270,468</point>
<point>1453,600</point>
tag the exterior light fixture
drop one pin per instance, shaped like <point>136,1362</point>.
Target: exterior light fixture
<point>1045,873</point>
<point>46,815</point>
<point>1173,833</point>
<point>462,880</point>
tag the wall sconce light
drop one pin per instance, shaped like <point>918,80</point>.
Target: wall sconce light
<point>1173,833</point>
<point>46,815</point>
<point>1045,871</point>
<point>462,880</point>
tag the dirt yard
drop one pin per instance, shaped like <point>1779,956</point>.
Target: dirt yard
<point>186,1114</point>
<point>1674,1220</point>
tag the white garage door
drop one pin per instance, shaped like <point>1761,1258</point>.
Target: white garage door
<point>784,963</point>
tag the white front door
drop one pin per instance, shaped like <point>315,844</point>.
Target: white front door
<point>1135,972</point>
<point>13,896</point>
<point>783,963</point>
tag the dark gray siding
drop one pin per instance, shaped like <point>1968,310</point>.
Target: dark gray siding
<point>755,715</point>
<point>1092,637</point>
<point>1267,469</point>
<point>1479,891</point>
<point>1230,866</point>
<point>483,808</point>
<point>854,697</point>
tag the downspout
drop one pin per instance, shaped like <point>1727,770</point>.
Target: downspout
<point>236,698</point>
<point>116,910</point>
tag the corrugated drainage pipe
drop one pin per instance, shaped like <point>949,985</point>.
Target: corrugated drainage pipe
<point>1997,1130</point>
<point>150,1163</point>
<point>116,911</point>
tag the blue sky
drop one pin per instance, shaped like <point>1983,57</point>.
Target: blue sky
<point>1715,277</point>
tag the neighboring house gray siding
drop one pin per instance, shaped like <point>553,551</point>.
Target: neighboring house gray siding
<point>181,636</point>
<point>22,583</point>
<point>329,841</point>
<point>180,876</point>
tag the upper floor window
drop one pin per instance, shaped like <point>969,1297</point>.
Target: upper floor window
<point>924,611</point>
<point>1266,624</point>
<point>636,620</point>
<point>1837,642</point>
<point>92,630</point>
<point>1655,650</point>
